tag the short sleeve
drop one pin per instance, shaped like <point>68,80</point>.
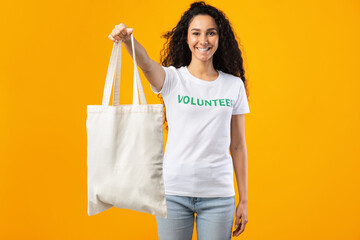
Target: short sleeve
<point>169,82</point>
<point>241,105</point>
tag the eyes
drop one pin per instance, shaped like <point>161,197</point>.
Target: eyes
<point>214,33</point>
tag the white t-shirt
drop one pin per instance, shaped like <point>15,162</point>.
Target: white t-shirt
<point>197,162</point>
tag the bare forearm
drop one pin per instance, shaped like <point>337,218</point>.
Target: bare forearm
<point>239,156</point>
<point>142,58</point>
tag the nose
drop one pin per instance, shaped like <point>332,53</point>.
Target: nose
<point>204,41</point>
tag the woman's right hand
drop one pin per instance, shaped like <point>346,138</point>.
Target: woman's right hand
<point>120,33</point>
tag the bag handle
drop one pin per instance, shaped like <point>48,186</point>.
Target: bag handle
<point>115,67</point>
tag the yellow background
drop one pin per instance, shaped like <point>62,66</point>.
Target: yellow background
<point>302,63</point>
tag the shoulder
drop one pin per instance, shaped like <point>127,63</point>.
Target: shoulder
<point>171,68</point>
<point>173,71</point>
<point>237,81</point>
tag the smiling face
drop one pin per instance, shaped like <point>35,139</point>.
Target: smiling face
<point>203,37</point>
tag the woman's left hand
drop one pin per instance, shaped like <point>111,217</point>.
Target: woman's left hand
<point>241,213</point>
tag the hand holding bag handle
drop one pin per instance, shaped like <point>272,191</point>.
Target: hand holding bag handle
<point>114,67</point>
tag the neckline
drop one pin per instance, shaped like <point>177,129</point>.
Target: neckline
<point>201,81</point>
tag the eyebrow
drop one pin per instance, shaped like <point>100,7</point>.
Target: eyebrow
<point>194,29</point>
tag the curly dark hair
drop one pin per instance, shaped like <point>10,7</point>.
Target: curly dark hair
<point>227,57</point>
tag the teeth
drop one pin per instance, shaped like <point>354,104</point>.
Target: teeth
<point>203,49</point>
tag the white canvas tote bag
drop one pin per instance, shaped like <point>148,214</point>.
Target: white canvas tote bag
<point>125,148</point>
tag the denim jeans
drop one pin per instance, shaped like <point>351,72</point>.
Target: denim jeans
<point>214,218</point>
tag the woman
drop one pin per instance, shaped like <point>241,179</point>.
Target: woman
<point>202,83</point>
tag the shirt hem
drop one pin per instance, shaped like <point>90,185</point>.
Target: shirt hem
<point>187,194</point>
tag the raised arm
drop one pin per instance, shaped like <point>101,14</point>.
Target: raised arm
<point>152,70</point>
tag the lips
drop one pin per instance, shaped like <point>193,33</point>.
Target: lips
<point>203,50</point>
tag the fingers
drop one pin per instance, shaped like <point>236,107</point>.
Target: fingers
<point>240,227</point>
<point>238,230</point>
<point>120,33</point>
<point>112,38</point>
<point>116,34</point>
<point>237,221</point>
<point>236,225</point>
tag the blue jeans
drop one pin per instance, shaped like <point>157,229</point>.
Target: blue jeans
<point>214,218</point>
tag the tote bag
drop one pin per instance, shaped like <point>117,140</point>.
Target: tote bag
<point>125,148</point>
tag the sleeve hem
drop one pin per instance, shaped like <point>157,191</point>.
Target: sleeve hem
<point>238,113</point>
<point>164,84</point>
